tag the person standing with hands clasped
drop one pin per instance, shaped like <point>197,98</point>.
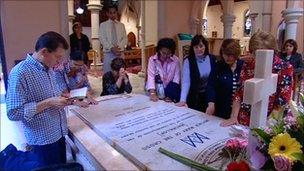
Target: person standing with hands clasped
<point>113,37</point>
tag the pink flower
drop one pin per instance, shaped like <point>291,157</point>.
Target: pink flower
<point>232,143</point>
<point>268,130</point>
<point>290,121</point>
<point>243,143</point>
<point>235,143</point>
<point>282,163</point>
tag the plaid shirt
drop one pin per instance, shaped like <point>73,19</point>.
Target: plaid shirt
<point>29,83</point>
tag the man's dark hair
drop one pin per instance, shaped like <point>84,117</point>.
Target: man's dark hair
<point>166,43</point>
<point>111,6</point>
<point>117,63</point>
<point>51,40</point>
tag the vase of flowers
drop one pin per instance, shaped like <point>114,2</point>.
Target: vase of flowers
<point>281,142</point>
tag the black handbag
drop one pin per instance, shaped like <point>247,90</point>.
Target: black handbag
<point>173,91</point>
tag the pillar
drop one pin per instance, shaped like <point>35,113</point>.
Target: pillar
<point>142,73</point>
<point>291,16</point>
<point>95,6</point>
<point>266,15</point>
<point>228,20</point>
<point>71,15</point>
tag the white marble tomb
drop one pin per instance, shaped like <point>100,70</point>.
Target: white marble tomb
<point>137,127</point>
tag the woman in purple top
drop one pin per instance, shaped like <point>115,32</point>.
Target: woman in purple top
<point>165,64</point>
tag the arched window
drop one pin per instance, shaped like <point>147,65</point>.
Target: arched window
<point>247,23</point>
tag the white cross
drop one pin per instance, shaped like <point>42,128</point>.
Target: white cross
<point>258,89</point>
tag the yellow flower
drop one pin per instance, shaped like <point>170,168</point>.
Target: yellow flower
<point>283,144</point>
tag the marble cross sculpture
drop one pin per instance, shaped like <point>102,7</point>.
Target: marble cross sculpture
<point>257,91</point>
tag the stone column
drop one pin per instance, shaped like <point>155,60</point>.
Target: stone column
<point>291,16</point>
<point>142,73</point>
<point>266,15</point>
<point>94,6</point>
<point>194,22</point>
<point>253,22</point>
<point>71,15</point>
<point>228,20</point>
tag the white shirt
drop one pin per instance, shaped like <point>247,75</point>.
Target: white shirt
<point>105,35</point>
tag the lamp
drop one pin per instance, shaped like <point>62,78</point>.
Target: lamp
<point>79,10</point>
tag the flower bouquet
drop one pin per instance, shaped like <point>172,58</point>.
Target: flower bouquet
<point>281,143</point>
<point>233,157</point>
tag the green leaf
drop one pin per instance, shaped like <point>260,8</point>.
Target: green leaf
<point>186,161</point>
<point>300,121</point>
<point>278,128</point>
<point>262,134</point>
<point>301,96</point>
<point>299,157</point>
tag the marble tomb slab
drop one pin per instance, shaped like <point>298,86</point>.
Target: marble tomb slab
<point>137,127</point>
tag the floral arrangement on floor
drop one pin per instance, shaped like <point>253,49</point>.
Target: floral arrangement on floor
<point>281,143</point>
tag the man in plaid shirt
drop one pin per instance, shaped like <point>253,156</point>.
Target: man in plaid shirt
<point>34,98</point>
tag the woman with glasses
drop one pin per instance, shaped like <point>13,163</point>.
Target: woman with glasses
<point>196,69</point>
<point>163,68</point>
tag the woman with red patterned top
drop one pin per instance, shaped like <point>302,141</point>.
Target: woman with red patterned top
<point>241,111</point>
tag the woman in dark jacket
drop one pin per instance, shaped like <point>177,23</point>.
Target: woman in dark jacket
<point>80,42</point>
<point>289,53</point>
<point>224,81</point>
<point>196,69</point>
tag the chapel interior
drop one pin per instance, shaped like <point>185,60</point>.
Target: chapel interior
<point>146,22</point>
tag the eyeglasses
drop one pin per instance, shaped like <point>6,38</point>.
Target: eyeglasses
<point>165,54</point>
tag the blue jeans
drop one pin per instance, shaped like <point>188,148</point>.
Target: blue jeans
<point>38,157</point>
<point>51,154</point>
<point>12,159</point>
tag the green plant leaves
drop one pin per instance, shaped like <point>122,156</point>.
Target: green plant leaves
<point>186,161</point>
<point>262,134</point>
